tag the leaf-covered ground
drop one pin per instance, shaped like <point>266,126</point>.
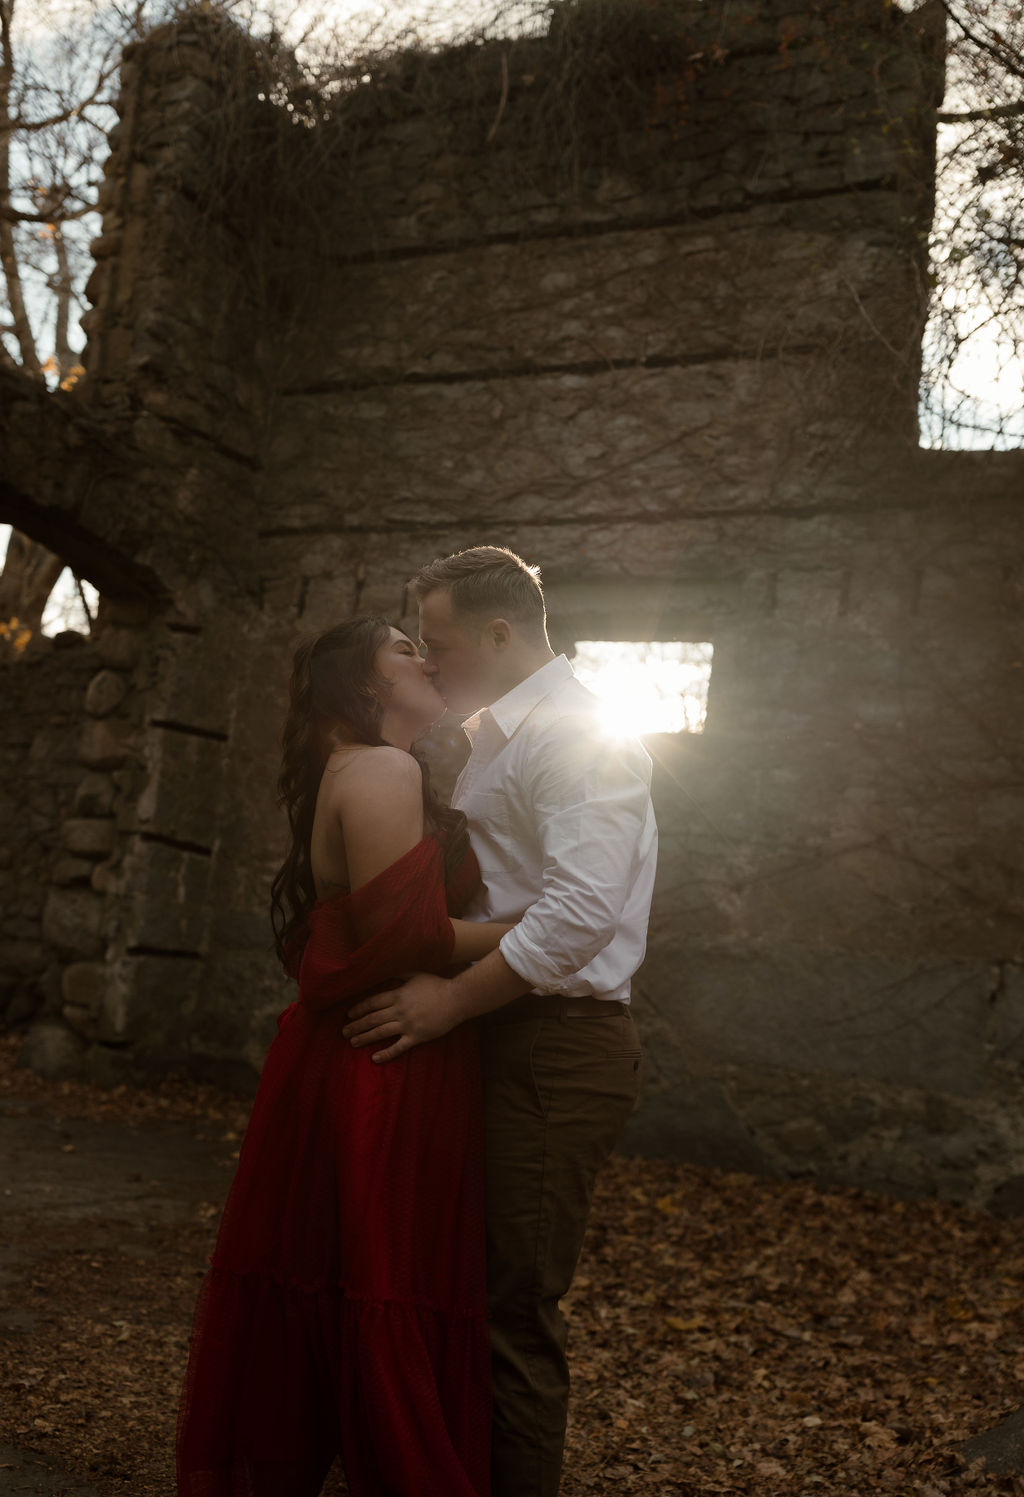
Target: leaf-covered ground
<point>729,1334</point>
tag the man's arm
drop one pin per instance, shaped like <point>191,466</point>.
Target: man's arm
<point>475,939</point>
<point>591,799</point>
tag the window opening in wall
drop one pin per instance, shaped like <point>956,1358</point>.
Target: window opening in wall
<point>70,602</point>
<point>71,605</point>
<point>658,686</point>
<point>973,348</point>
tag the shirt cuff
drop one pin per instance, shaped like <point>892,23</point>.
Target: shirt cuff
<point>530,963</point>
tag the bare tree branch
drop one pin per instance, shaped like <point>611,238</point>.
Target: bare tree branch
<point>73,111</point>
<point>972,116</point>
<point>84,601</point>
<point>991,44</point>
<point>60,216</point>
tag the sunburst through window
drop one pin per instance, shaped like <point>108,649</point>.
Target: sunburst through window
<point>659,686</point>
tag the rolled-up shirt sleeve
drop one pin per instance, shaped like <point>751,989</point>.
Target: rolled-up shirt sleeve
<point>591,803</point>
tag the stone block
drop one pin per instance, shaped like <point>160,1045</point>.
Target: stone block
<point>811,597</point>
<point>169,893</point>
<point>105,878</point>
<point>182,793</point>
<point>84,986</point>
<point>49,988</point>
<point>77,1018</point>
<point>72,871</point>
<point>157,442</point>
<point>89,837</point>
<point>17,1004</point>
<point>195,684</point>
<point>133,614</point>
<point>91,322</point>
<point>548,296</point>
<point>52,1050</point>
<point>95,795</point>
<point>122,1017</point>
<point>514,441</point>
<point>913,1024</point>
<point>105,693</point>
<point>120,647</point>
<point>1005,1026</point>
<point>50,743</point>
<point>693,1121</point>
<point>73,922</point>
<point>1008,1197</point>
<point>103,744</point>
<point>105,245</point>
<point>22,957</point>
<point>98,1002</point>
<point>155,992</point>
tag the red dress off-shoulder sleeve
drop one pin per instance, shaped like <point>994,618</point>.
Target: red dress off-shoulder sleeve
<point>345,1309</point>
<point>396,923</point>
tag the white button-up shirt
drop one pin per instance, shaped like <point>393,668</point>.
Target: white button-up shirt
<point>561,822</point>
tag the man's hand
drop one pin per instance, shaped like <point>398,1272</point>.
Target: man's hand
<point>421,1009</point>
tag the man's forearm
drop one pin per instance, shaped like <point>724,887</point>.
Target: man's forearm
<point>489,984</point>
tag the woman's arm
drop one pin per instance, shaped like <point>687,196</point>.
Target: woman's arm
<point>474,939</point>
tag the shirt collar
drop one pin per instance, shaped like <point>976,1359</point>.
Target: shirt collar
<point>510,711</point>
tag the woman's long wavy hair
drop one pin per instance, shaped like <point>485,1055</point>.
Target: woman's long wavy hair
<point>335,684</point>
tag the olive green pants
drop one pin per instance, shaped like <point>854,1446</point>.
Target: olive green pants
<point>557,1092</point>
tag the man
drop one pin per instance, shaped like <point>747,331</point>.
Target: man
<point>560,819</point>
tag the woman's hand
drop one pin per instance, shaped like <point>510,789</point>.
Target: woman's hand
<point>422,1009</point>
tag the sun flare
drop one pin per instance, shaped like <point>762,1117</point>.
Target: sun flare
<point>657,687</point>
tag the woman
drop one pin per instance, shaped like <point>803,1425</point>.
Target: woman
<point>344,1311</point>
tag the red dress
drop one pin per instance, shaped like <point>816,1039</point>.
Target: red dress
<point>345,1307</point>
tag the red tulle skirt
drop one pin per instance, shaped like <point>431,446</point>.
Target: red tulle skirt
<point>345,1308</point>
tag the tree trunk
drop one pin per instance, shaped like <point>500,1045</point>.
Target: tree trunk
<point>8,254</point>
<point>26,582</point>
<point>63,355</point>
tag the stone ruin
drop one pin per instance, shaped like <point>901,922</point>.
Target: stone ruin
<point>667,346</point>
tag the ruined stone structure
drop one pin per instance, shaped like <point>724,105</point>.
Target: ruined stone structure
<point>673,357</point>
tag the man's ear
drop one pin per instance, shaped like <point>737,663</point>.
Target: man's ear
<point>499,632</point>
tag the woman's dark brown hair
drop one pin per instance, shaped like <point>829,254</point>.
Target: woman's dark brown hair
<point>335,684</point>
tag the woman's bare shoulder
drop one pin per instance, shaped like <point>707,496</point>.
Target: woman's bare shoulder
<point>355,772</point>
<point>377,798</point>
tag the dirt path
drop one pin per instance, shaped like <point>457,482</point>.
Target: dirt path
<point>90,1207</point>
<point>28,1474</point>
<point>728,1335</point>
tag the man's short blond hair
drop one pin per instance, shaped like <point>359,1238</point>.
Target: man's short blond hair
<point>487,582</point>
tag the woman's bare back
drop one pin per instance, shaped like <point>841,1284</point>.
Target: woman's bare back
<point>369,811</point>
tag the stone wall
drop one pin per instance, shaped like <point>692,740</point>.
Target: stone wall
<point>42,695</point>
<point>674,363</point>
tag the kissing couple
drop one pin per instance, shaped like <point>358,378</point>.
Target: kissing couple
<point>415,1180</point>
